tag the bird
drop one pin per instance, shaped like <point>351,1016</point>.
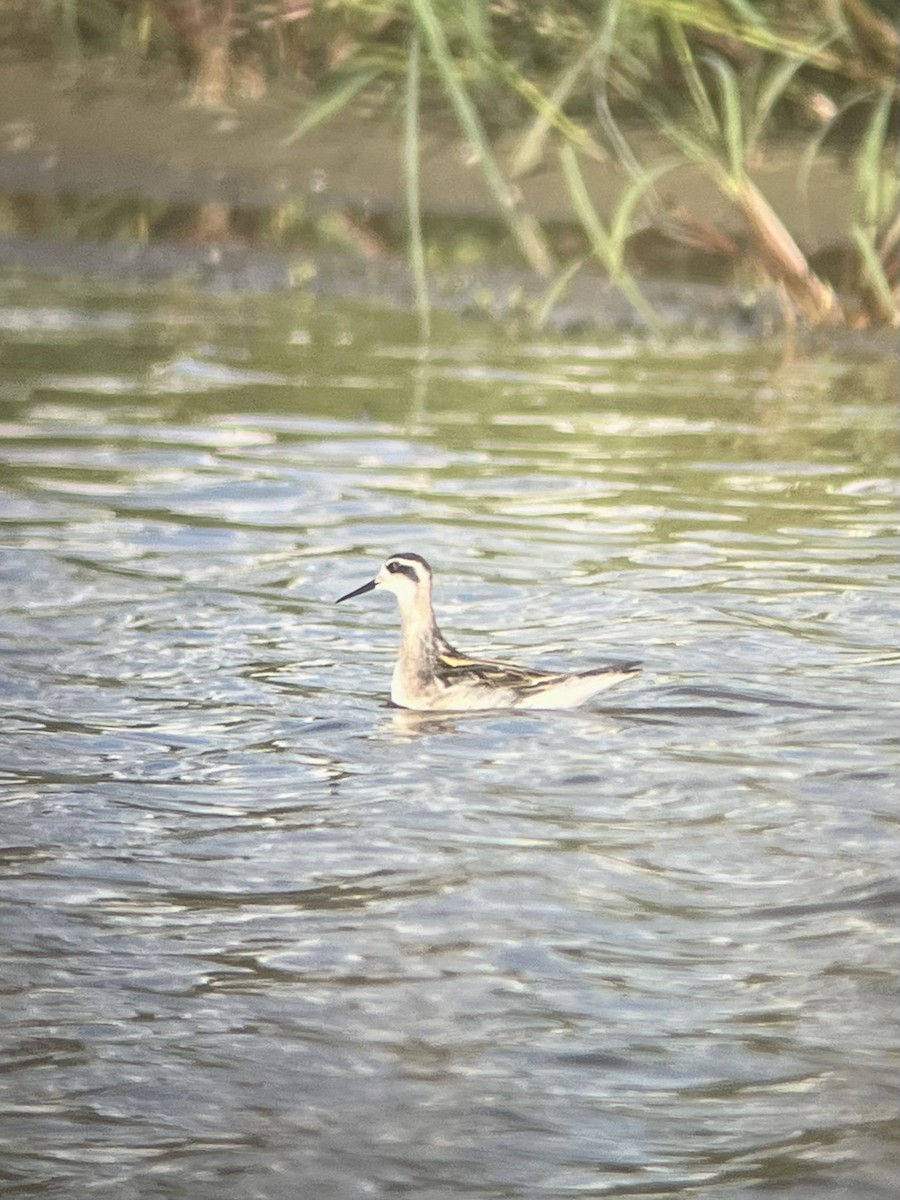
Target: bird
<point>431,675</point>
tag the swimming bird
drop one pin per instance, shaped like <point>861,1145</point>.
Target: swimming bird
<point>431,675</point>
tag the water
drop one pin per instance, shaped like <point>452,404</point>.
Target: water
<point>265,936</point>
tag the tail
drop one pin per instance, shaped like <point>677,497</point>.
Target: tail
<point>621,670</point>
<point>573,690</point>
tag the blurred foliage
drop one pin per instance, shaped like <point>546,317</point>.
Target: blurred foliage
<point>719,79</point>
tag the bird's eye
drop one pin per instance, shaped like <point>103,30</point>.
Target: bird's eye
<point>393,567</point>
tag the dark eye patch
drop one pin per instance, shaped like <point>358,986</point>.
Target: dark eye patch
<point>400,568</point>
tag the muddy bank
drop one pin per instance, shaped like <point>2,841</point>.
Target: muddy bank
<point>132,135</point>
<point>109,136</point>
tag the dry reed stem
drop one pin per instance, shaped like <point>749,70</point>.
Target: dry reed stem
<point>783,258</point>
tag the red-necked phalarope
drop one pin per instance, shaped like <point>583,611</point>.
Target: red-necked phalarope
<point>430,674</point>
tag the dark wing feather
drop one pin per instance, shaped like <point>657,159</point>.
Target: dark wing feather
<point>454,667</point>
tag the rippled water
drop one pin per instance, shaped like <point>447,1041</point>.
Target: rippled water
<point>265,936</point>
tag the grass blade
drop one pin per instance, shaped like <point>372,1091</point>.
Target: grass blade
<point>696,88</point>
<point>732,116</point>
<point>870,182</point>
<point>606,44</point>
<point>554,292</point>
<point>411,159</point>
<point>768,95</point>
<point>523,225</point>
<point>621,225</point>
<point>331,103</point>
<point>550,116</point>
<point>602,243</point>
<point>875,274</point>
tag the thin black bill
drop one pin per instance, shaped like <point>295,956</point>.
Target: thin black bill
<point>366,587</point>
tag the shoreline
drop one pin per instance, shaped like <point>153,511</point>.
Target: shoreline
<point>111,135</point>
<point>592,306</point>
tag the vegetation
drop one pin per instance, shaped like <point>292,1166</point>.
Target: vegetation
<point>719,80</point>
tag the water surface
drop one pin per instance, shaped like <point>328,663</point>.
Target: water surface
<point>266,936</point>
